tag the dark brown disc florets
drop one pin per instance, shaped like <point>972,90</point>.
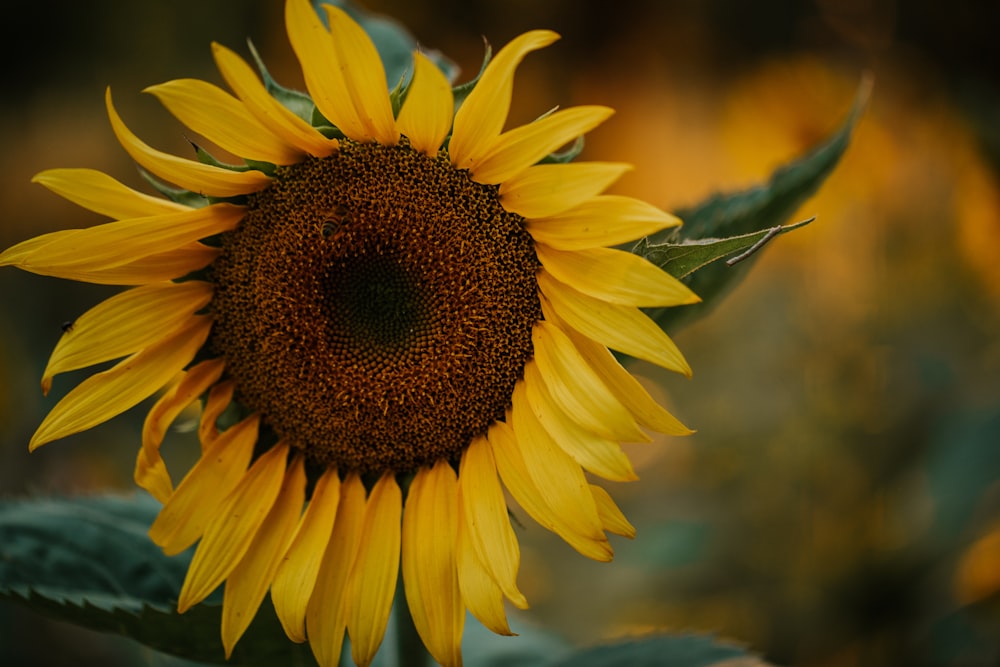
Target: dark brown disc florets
<point>375,307</point>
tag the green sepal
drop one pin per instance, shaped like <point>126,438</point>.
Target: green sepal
<point>569,154</point>
<point>745,217</point>
<point>175,194</point>
<point>295,101</point>
<point>205,157</point>
<point>268,168</point>
<point>461,91</point>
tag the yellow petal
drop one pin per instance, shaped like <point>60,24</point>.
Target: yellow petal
<point>430,575</point>
<point>605,220</point>
<point>376,568</point>
<point>269,112</point>
<point>322,68</point>
<point>557,477</point>
<point>576,389</point>
<point>296,576</point>
<point>615,276</point>
<point>514,472</point>
<point>596,454</point>
<point>479,590</point>
<point>612,518</point>
<point>150,471</point>
<point>126,323</point>
<point>200,178</point>
<point>427,112</point>
<point>249,581</point>
<point>485,510</point>
<point>234,526</point>
<point>196,501</point>
<point>549,189</point>
<point>117,243</point>
<point>109,393</point>
<point>98,192</point>
<point>623,328</point>
<point>629,391</point>
<point>326,616</point>
<point>518,149</point>
<point>218,400</point>
<point>224,120</point>
<point>152,269</point>
<point>364,76</point>
<point>481,117</point>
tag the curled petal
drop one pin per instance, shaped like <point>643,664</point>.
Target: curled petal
<point>481,117</point>
<point>520,148</point>
<point>201,178</point>
<point>96,191</point>
<point>218,400</point>
<point>110,393</point>
<point>150,471</point>
<point>612,518</point>
<point>224,120</point>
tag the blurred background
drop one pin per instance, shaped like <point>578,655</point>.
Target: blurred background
<point>840,502</point>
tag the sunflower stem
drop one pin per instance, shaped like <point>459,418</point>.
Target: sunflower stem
<point>410,651</point>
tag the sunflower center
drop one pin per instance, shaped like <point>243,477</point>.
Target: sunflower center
<point>376,306</point>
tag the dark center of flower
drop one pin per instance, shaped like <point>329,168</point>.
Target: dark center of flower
<point>375,307</point>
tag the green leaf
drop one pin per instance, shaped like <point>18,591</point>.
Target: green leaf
<point>663,651</point>
<point>683,259</point>
<point>89,561</point>
<point>462,90</point>
<point>728,224</point>
<point>92,549</point>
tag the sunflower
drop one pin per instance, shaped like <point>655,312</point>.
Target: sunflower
<point>394,297</point>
